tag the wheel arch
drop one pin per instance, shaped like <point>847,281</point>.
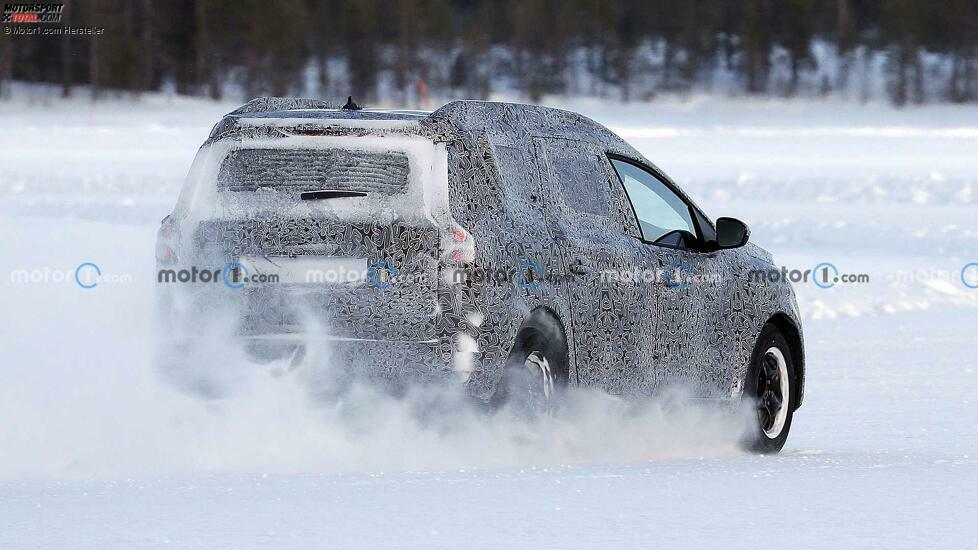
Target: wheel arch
<point>543,319</point>
<point>539,314</point>
<point>789,329</point>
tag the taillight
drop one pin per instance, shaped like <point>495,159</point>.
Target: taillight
<point>165,254</point>
<point>166,239</point>
<point>458,245</point>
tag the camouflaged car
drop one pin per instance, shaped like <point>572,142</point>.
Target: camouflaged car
<point>516,249</point>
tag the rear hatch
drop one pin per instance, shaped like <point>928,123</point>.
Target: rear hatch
<point>332,234</point>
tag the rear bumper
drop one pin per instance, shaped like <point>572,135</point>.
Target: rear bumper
<point>390,363</point>
<point>411,347</point>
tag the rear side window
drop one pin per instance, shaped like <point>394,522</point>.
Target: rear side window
<point>300,170</point>
<point>660,211</point>
<point>581,177</point>
<point>513,167</point>
<point>520,180</point>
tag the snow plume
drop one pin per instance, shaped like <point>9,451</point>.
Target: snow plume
<point>118,418</point>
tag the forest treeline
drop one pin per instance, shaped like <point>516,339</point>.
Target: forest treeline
<point>909,51</point>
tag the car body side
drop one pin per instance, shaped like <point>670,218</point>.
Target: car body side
<point>507,189</point>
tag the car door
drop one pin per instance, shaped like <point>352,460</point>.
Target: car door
<point>675,236</point>
<point>590,239</point>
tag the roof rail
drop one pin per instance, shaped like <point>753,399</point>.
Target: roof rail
<point>265,104</point>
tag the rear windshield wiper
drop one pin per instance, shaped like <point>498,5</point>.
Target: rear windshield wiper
<point>330,194</point>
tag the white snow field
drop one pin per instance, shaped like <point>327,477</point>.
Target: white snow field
<point>96,451</point>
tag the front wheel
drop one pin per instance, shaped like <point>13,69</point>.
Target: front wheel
<point>770,387</point>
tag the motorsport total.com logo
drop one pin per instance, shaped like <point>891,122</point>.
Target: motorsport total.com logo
<point>32,12</point>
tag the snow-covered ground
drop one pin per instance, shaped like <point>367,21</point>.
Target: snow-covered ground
<point>96,451</point>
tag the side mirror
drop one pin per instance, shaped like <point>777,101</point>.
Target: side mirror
<point>731,233</point>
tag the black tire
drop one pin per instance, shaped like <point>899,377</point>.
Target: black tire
<point>771,424</point>
<point>527,391</point>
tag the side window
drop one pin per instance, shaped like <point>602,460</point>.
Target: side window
<point>661,213</point>
<point>515,170</point>
<point>581,177</point>
<point>519,182</point>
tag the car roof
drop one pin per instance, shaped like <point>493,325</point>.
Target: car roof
<point>504,121</point>
<point>464,114</point>
<point>338,114</point>
<point>501,122</point>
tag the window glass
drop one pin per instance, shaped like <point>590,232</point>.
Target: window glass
<point>582,179</point>
<point>514,169</point>
<point>299,170</point>
<point>519,183</point>
<point>659,210</point>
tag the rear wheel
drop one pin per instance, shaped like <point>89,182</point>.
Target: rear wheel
<point>531,387</point>
<point>771,389</point>
<point>536,371</point>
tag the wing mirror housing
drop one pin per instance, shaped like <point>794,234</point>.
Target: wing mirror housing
<point>731,233</point>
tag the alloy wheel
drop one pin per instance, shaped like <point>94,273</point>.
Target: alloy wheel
<point>541,388</point>
<point>773,393</point>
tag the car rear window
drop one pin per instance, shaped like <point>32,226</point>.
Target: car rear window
<point>300,170</point>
